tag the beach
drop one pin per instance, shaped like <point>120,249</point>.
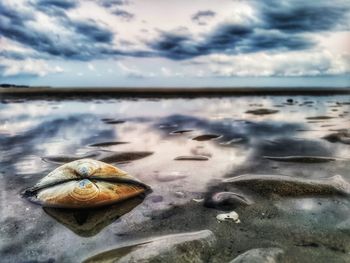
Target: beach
<point>279,158</point>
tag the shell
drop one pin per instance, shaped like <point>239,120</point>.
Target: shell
<point>85,183</point>
<point>232,216</point>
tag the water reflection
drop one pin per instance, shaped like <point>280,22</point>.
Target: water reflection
<point>89,222</point>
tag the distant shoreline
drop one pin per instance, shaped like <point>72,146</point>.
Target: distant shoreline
<point>97,92</point>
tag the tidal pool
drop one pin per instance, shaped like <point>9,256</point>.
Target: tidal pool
<point>186,150</point>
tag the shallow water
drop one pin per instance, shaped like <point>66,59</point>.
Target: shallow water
<point>154,133</point>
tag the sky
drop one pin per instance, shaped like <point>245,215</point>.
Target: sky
<point>175,43</point>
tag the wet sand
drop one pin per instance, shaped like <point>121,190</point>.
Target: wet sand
<point>291,210</point>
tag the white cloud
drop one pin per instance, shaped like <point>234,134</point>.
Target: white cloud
<point>133,72</point>
<point>166,72</point>
<point>28,67</point>
<point>91,67</point>
<point>311,63</point>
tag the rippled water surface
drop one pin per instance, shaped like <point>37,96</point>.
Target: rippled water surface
<point>183,149</point>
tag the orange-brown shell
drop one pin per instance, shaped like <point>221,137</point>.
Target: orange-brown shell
<point>85,183</point>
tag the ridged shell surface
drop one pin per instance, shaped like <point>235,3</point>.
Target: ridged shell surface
<point>85,183</point>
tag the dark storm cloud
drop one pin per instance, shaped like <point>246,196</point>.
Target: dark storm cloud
<point>54,7</point>
<point>123,14</point>
<point>282,27</point>
<point>90,30</point>
<point>228,39</point>
<point>112,3</point>
<point>64,4</point>
<point>16,17</point>
<point>262,40</point>
<point>279,26</point>
<point>13,55</point>
<point>88,40</point>
<point>303,16</point>
<point>201,16</point>
<point>175,46</point>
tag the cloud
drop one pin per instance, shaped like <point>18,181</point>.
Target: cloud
<point>227,39</point>
<point>304,16</point>
<point>91,67</point>
<point>113,3</point>
<point>14,55</point>
<point>90,30</point>
<point>28,67</point>
<point>63,4</point>
<point>81,40</point>
<point>283,65</point>
<point>123,14</point>
<point>133,72</point>
<point>202,17</point>
<point>45,30</point>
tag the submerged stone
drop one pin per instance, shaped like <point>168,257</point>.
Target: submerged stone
<point>181,131</point>
<point>301,159</point>
<point>233,141</point>
<point>319,118</point>
<point>206,137</point>
<point>262,111</point>
<point>260,255</point>
<point>192,158</point>
<point>102,144</point>
<point>226,201</point>
<point>101,155</point>
<point>113,121</point>
<point>291,186</point>
<point>344,226</point>
<point>341,136</point>
<point>194,247</point>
